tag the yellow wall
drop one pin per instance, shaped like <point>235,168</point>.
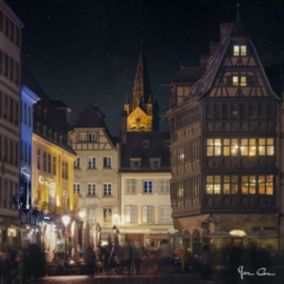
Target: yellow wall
<point>42,181</point>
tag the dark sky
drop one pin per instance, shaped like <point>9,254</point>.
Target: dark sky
<point>86,51</point>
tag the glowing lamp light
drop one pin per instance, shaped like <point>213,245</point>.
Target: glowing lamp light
<point>65,220</point>
<point>82,214</point>
<point>237,233</point>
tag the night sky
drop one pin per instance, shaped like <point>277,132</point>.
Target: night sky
<point>86,51</point>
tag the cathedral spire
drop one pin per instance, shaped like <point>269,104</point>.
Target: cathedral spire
<point>141,86</point>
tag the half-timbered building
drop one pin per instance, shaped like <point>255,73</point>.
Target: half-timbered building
<point>225,180</point>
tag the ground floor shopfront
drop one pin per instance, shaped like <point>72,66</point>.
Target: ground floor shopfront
<point>10,229</point>
<point>225,230</point>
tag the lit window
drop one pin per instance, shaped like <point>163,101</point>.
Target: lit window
<point>236,50</point>
<point>230,184</point>
<point>248,184</point>
<point>239,81</point>
<point>266,146</point>
<point>235,81</point>
<point>243,50</point>
<point>214,147</point>
<point>240,50</point>
<point>213,184</point>
<point>243,81</point>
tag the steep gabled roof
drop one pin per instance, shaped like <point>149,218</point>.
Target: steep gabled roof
<point>205,83</point>
<point>157,146</point>
<point>91,117</point>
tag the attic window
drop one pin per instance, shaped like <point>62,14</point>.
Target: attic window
<point>145,143</point>
<point>239,81</point>
<point>135,163</point>
<point>240,50</point>
<point>155,163</point>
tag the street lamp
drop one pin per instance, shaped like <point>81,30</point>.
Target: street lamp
<point>65,220</point>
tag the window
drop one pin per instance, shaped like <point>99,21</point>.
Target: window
<point>107,162</point>
<point>49,164</point>
<point>230,184</point>
<point>38,159</point>
<point>130,213</point>
<point>54,165</point>
<point>240,50</point>
<point>248,184</point>
<point>82,137</point>
<point>76,188</point>
<point>77,163</point>
<point>92,189</point>
<point>265,185</point>
<point>155,163</point>
<point>130,186</point>
<point>248,147</point>
<point>180,190</point>
<point>92,137</point>
<point>107,189</point>
<point>147,214</point>
<point>266,146</point>
<point>239,81</point>
<point>214,147</point>
<point>91,162</point>
<point>107,213</point>
<point>92,215</point>
<point>244,147</point>
<point>65,170</point>
<point>44,161</point>
<point>165,186</point>
<point>135,163</point>
<point>148,186</point>
<point>165,215</point>
<point>213,184</point>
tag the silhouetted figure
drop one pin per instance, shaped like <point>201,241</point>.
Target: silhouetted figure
<point>90,260</point>
<point>206,263</point>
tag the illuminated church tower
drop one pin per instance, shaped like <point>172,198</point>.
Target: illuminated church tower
<point>141,113</point>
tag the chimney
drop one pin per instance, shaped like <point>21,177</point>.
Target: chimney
<point>62,110</point>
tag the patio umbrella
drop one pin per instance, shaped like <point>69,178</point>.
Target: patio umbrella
<point>75,242</point>
<point>86,236</point>
<point>97,235</point>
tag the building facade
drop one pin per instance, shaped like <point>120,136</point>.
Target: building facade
<point>225,183</point>
<point>28,99</point>
<point>52,171</point>
<point>96,170</point>
<point>145,209</point>
<point>10,62</point>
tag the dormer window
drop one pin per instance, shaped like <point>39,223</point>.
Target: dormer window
<point>155,163</point>
<point>135,163</point>
<point>239,81</point>
<point>240,50</point>
<point>145,143</point>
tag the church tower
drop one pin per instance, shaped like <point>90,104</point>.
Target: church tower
<point>141,111</point>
